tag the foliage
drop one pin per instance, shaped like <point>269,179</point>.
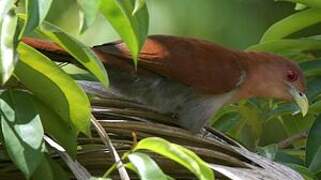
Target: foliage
<point>273,128</point>
<point>38,97</point>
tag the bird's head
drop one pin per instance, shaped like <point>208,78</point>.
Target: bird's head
<point>274,76</point>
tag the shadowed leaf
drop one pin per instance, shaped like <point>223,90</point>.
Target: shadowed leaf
<point>22,130</point>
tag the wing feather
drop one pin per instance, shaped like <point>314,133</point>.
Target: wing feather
<point>205,66</point>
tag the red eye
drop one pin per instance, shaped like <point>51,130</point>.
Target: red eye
<point>292,76</point>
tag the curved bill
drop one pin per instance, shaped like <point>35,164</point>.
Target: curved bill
<point>300,99</point>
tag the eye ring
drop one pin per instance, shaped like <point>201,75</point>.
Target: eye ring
<point>292,76</point>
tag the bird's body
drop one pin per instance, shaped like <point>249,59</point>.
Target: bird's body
<point>189,78</point>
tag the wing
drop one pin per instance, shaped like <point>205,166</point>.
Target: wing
<point>202,65</point>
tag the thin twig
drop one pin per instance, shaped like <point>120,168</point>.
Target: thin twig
<point>292,139</point>
<point>106,140</point>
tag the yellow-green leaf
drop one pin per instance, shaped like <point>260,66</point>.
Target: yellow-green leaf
<point>132,29</point>
<point>177,153</point>
<point>292,24</point>
<point>53,87</point>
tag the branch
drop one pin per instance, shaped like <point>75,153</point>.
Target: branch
<point>106,140</point>
<point>292,139</point>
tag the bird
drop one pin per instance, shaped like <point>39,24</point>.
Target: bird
<point>191,78</point>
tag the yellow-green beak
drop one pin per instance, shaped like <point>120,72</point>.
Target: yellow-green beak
<point>300,99</point>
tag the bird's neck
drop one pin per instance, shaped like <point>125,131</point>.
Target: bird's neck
<point>251,63</point>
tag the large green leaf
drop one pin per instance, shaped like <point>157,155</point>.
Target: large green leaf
<point>313,147</point>
<point>53,87</point>
<point>88,13</point>
<point>291,24</point>
<point>84,55</point>
<point>57,128</point>
<point>8,39</point>
<point>36,12</point>
<point>146,166</point>
<point>177,153</point>
<point>132,29</point>
<point>22,130</point>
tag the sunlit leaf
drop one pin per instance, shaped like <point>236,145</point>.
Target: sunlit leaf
<point>313,147</point>
<point>146,166</point>
<point>84,55</point>
<point>53,87</point>
<point>299,6</point>
<point>291,24</point>
<point>132,29</point>
<point>88,12</point>
<point>8,39</point>
<point>22,130</point>
<point>36,12</point>
<point>177,153</point>
<point>138,5</point>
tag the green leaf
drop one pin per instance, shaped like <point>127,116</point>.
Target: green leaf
<point>286,46</point>
<point>291,24</point>
<point>132,29</point>
<point>313,147</point>
<point>253,120</point>
<point>146,166</point>
<point>285,157</point>
<point>22,130</point>
<point>88,13</point>
<point>8,39</point>
<point>310,3</point>
<point>53,87</point>
<point>138,5</point>
<point>57,128</point>
<point>305,172</point>
<point>48,170</point>
<point>314,88</point>
<point>36,12</point>
<point>299,6</point>
<point>43,171</point>
<point>269,151</point>
<point>84,55</point>
<point>177,153</point>
<point>311,68</point>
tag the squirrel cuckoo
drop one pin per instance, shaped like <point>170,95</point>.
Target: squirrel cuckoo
<point>192,78</point>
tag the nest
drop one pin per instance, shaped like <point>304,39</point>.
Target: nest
<point>128,122</point>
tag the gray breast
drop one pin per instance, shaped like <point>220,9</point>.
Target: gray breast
<point>191,108</point>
